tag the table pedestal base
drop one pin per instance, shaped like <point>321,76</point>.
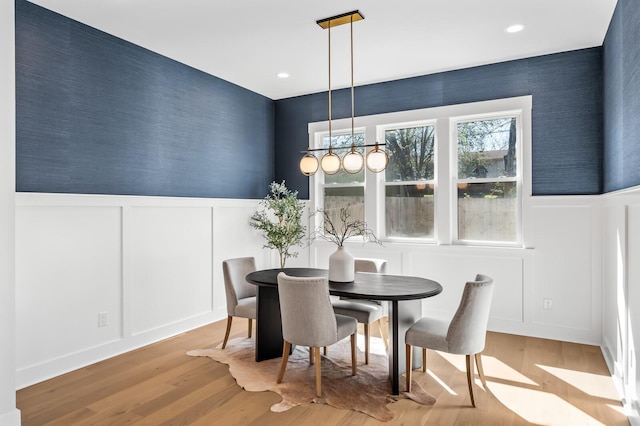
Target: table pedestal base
<point>269,340</point>
<point>402,315</point>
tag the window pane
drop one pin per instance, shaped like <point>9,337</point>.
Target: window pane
<point>487,148</point>
<point>411,154</point>
<point>337,198</point>
<point>487,211</point>
<point>340,141</point>
<point>409,211</point>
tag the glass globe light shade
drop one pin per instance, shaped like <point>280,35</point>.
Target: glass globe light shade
<point>330,163</point>
<point>309,164</point>
<point>353,161</point>
<point>377,160</point>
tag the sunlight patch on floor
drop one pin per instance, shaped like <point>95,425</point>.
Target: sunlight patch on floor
<point>441,383</point>
<point>493,367</point>
<point>589,383</point>
<point>539,407</point>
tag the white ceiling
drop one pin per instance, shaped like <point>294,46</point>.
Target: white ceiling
<point>247,42</point>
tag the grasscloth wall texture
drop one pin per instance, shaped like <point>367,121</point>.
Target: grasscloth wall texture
<point>567,114</point>
<point>99,115</point>
<point>622,98</point>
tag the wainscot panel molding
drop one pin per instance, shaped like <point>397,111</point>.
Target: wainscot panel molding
<point>152,264</point>
<point>621,293</point>
<point>560,263</point>
<point>147,244</point>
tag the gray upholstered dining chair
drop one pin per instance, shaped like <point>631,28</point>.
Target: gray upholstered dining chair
<point>365,311</point>
<point>308,320</point>
<point>241,296</point>
<point>464,335</point>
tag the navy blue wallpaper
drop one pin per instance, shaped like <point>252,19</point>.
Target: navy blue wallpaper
<point>622,98</point>
<point>99,115</point>
<point>567,114</point>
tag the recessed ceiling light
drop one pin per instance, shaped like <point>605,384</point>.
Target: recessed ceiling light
<point>515,28</point>
<point>283,75</point>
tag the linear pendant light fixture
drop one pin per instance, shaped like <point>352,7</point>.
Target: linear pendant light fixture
<point>353,161</point>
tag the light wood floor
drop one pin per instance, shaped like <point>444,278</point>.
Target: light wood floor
<point>530,381</point>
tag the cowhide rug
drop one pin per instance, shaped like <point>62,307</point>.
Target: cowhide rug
<point>368,392</point>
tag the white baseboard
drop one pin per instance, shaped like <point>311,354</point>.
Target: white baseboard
<point>10,418</point>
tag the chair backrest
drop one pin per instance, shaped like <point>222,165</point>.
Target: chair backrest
<point>371,265</point>
<point>235,285</point>
<point>468,328</point>
<point>305,307</point>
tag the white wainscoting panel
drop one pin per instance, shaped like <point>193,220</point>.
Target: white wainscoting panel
<point>562,266</point>
<point>68,269</point>
<point>452,270</point>
<point>171,257</point>
<point>621,294</point>
<point>152,264</point>
<point>562,263</point>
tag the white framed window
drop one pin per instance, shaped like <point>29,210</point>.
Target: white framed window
<point>487,178</point>
<point>458,174</point>
<point>410,180</point>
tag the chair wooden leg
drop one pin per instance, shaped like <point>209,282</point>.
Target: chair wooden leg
<point>325,351</point>
<point>366,343</point>
<point>408,366</point>
<point>424,360</point>
<point>226,334</point>
<point>470,374</point>
<point>318,373</point>
<point>384,332</point>
<point>478,358</point>
<point>250,328</point>
<point>286,348</point>
<point>354,358</point>
<point>310,355</point>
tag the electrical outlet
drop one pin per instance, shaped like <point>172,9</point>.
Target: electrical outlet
<point>102,319</point>
<point>547,304</point>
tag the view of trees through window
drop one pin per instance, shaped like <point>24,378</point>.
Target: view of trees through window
<point>487,209</point>
<point>487,148</point>
<point>409,182</point>
<point>411,153</point>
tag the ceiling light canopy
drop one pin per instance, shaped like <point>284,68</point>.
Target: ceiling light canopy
<point>353,161</point>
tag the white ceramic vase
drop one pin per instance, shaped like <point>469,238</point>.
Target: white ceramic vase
<point>341,266</point>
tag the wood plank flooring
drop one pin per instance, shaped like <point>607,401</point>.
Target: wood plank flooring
<point>530,381</point>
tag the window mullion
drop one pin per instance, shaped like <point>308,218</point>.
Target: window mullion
<point>443,194</point>
<point>373,205</point>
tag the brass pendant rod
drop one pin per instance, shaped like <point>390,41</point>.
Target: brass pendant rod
<point>352,91</point>
<point>330,138</point>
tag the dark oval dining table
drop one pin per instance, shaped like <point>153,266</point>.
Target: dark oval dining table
<point>402,293</point>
